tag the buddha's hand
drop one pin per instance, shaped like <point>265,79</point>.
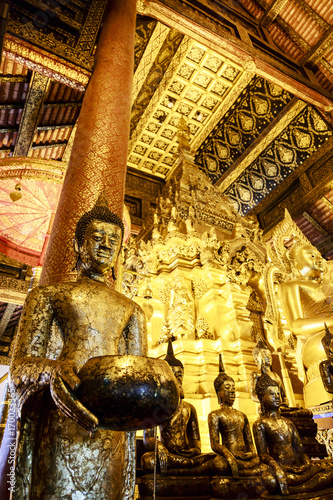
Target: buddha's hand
<point>66,370</point>
<point>281,478</point>
<point>29,375</point>
<point>63,381</point>
<point>191,452</point>
<point>299,469</point>
<point>163,457</point>
<point>245,455</point>
<point>232,464</point>
<point>303,467</point>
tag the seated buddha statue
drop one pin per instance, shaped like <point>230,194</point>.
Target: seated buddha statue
<point>179,447</point>
<point>263,359</point>
<point>236,453</point>
<point>301,417</point>
<point>326,367</point>
<point>280,447</point>
<point>307,303</point>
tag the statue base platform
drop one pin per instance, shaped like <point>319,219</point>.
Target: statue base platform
<point>229,488</point>
<point>175,487</point>
<point>320,495</point>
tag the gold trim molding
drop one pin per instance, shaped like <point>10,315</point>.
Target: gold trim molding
<point>46,63</point>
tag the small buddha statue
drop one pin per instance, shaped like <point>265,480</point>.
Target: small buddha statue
<point>280,447</point>
<point>326,367</point>
<point>181,311</point>
<point>263,359</point>
<point>209,247</point>
<point>236,453</point>
<point>156,235</point>
<point>179,447</point>
<point>190,221</point>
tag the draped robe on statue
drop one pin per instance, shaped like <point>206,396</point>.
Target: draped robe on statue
<point>310,349</point>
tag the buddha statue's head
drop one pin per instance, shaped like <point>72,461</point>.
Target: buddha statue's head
<point>98,239</point>
<point>268,392</point>
<point>327,342</point>
<point>262,354</point>
<point>306,260</point>
<point>177,367</point>
<point>224,386</point>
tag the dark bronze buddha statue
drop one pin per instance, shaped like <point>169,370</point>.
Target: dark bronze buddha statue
<point>231,439</point>
<point>280,447</point>
<point>236,453</point>
<point>179,447</point>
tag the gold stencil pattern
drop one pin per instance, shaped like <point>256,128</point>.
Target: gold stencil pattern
<point>99,154</point>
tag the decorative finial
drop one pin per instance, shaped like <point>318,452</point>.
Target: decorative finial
<point>102,200</point>
<point>221,378</point>
<point>326,341</point>
<point>221,365</point>
<point>170,357</point>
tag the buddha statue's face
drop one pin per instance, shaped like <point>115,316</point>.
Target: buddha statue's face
<point>101,245</point>
<point>179,374</point>
<point>309,262</point>
<point>272,398</point>
<point>264,358</point>
<point>226,393</point>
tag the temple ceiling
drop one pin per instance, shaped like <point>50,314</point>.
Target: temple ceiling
<point>251,78</point>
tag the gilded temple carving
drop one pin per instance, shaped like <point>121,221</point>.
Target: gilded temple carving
<point>193,226</point>
<point>202,330</point>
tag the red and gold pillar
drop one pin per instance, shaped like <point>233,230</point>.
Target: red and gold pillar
<point>99,155</point>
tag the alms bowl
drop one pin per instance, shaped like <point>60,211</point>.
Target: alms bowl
<point>128,392</point>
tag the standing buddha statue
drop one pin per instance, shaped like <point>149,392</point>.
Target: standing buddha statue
<point>62,452</point>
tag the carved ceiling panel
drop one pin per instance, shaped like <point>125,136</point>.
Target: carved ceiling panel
<point>256,107</point>
<point>305,134</point>
<point>186,80</point>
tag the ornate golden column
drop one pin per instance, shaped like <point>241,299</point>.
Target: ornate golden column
<point>99,154</point>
